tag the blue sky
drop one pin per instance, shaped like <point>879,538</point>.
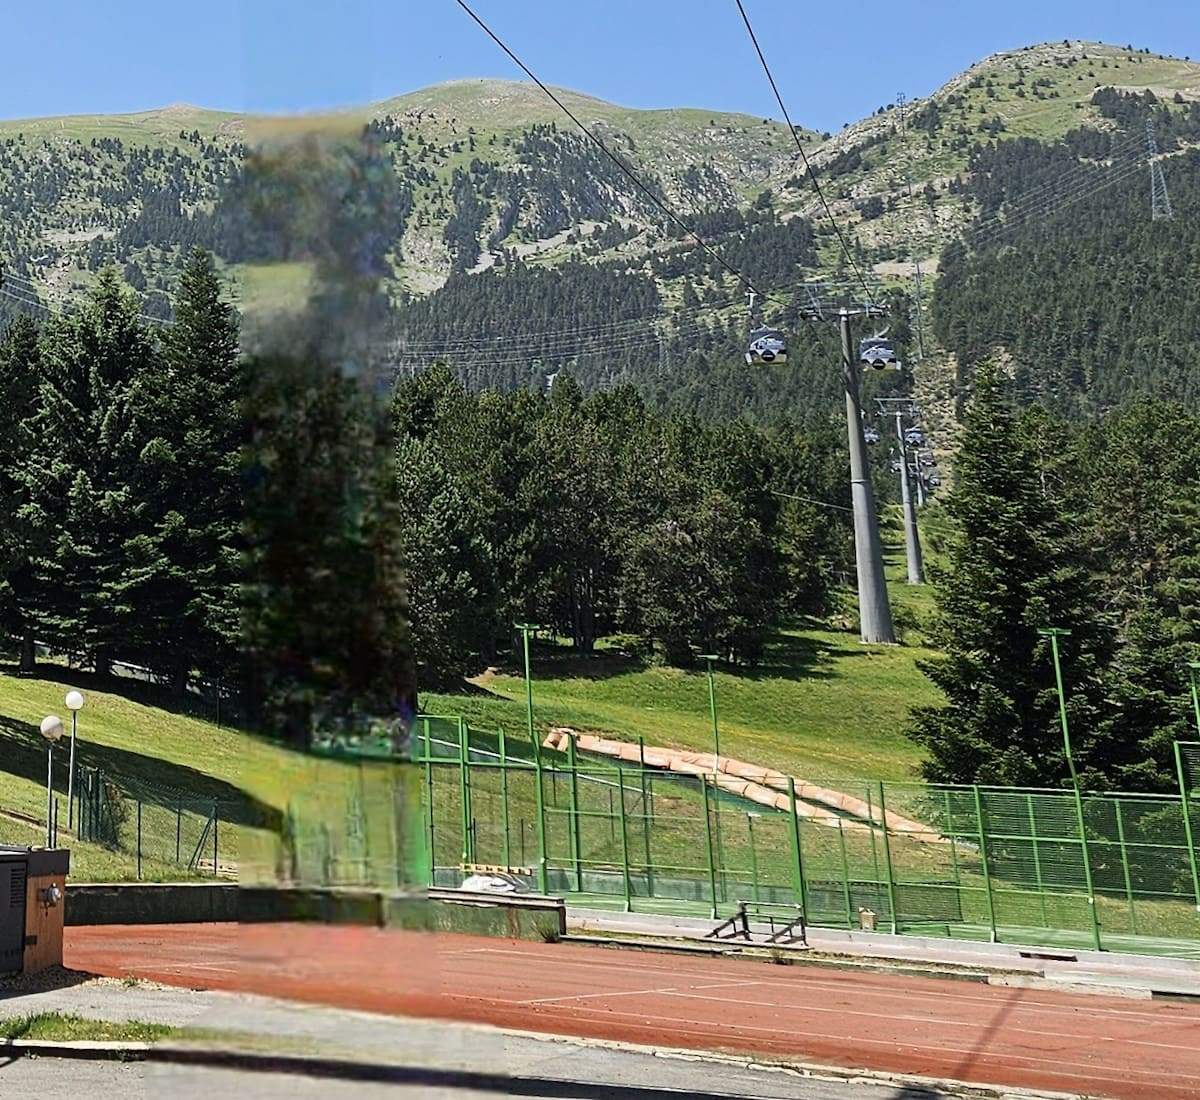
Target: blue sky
<point>835,62</point>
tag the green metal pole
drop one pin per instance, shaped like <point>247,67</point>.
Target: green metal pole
<point>1054,633</point>
<point>429,796</point>
<point>464,792</point>
<point>983,859</point>
<point>708,848</point>
<point>1037,861</point>
<point>647,817</point>
<point>874,849</point>
<point>1125,867</point>
<point>541,818</point>
<point>845,876</point>
<point>628,886</point>
<point>797,857</point>
<point>953,846</point>
<point>576,849</point>
<point>753,855</point>
<point>525,628</point>
<point>887,855</point>
<point>708,659</point>
<point>1187,823</point>
<point>1193,671</point>
<point>505,847</point>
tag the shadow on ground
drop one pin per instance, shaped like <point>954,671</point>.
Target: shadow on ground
<point>23,752</point>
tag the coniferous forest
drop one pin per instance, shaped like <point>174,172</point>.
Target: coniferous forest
<point>327,511</point>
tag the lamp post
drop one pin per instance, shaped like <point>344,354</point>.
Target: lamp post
<point>52,730</point>
<point>525,629</point>
<point>1054,633</point>
<point>708,659</point>
<point>74,701</point>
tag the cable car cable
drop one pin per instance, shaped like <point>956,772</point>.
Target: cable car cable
<point>800,145</point>
<point>628,172</point>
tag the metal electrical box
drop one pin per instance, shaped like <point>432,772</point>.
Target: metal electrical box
<point>33,887</point>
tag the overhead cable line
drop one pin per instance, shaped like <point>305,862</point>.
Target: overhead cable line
<point>803,155</point>
<point>624,168</point>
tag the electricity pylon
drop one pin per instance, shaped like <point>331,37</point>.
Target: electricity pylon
<point>1160,201</point>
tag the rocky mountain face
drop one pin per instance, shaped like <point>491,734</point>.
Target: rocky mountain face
<point>504,242</point>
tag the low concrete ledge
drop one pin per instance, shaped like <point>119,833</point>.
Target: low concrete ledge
<point>150,902</point>
<point>516,916</point>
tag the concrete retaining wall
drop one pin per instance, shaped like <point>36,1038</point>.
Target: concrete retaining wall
<point>150,902</point>
<point>529,918</point>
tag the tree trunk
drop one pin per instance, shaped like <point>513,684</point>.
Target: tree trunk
<point>28,654</point>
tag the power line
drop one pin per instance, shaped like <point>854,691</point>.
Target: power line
<point>624,168</point>
<point>803,155</point>
<point>811,500</point>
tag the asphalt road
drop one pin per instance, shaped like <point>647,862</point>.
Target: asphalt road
<point>66,1079</point>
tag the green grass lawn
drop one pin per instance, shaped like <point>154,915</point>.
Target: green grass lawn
<point>126,731</point>
<point>63,1027</point>
<point>821,704</point>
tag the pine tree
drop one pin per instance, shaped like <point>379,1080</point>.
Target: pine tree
<point>20,367</point>
<point>190,477</point>
<point>83,476</point>
<point>325,626</point>
<point>1009,573</point>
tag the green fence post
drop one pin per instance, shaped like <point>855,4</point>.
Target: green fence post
<point>139,838</point>
<point>216,819</point>
<point>576,847</point>
<point>950,831</point>
<point>624,842</point>
<point>845,876</point>
<point>887,855</point>
<point>178,825</point>
<point>464,791</point>
<point>874,848</point>
<point>504,819</point>
<point>1187,822</point>
<point>797,857</point>
<point>983,859</point>
<point>708,847</point>
<point>1125,867</point>
<point>753,855</point>
<point>1054,633</point>
<point>1037,861</point>
<point>429,811</point>
<point>647,816</point>
<point>541,818</point>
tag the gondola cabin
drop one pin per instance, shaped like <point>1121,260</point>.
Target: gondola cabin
<point>877,352</point>
<point>766,345</point>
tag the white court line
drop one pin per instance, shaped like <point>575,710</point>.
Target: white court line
<point>673,989</point>
<point>940,1021</point>
<point>854,985</point>
<point>1005,1059</point>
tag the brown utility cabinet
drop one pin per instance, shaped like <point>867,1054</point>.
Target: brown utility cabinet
<point>33,893</point>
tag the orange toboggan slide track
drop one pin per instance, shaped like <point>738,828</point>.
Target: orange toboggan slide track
<point>765,786</point>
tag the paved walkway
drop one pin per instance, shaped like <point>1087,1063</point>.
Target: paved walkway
<point>548,1066</point>
<point>1039,1039</point>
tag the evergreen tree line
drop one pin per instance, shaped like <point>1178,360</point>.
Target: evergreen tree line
<point>597,515</point>
<point>173,503</point>
<point>120,482</point>
<point>1097,303</point>
<point>1093,527</point>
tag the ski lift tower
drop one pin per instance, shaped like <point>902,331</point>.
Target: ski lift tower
<point>898,408</point>
<point>874,609</point>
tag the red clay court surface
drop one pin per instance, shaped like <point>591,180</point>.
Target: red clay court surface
<point>965,1031</point>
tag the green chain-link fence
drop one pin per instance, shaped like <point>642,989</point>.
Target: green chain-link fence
<point>156,825</point>
<point>974,862</point>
